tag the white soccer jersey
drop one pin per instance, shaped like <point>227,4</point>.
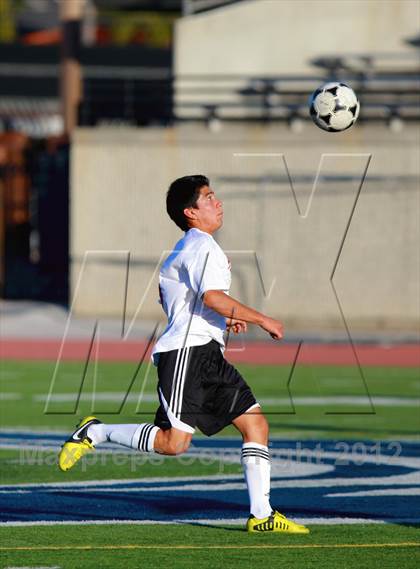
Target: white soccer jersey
<point>196,265</point>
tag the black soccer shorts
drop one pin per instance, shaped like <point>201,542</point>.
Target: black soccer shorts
<point>197,387</point>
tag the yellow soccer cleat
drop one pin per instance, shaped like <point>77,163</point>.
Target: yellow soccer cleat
<point>275,523</point>
<point>77,445</point>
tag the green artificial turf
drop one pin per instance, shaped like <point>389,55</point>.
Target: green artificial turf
<point>32,466</point>
<point>25,386</point>
<point>191,546</point>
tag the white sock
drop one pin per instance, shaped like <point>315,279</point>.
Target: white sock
<point>256,464</point>
<point>140,437</point>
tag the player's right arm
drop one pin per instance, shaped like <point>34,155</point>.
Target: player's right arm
<point>229,307</point>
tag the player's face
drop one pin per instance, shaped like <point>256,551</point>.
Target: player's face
<point>208,213</point>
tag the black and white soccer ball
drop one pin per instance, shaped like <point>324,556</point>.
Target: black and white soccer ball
<point>334,107</point>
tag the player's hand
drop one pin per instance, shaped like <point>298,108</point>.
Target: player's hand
<point>273,327</point>
<point>236,326</point>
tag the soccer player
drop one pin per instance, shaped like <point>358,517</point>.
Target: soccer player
<point>197,387</point>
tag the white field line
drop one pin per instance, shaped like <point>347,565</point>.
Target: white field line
<point>125,481</point>
<point>9,396</point>
<point>113,396</point>
<point>27,429</point>
<point>211,456</point>
<point>272,401</point>
<point>36,445</point>
<point>43,567</point>
<point>411,479</point>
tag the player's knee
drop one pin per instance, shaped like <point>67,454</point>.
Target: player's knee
<point>257,429</point>
<point>261,426</point>
<point>264,424</point>
<point>178,444</point>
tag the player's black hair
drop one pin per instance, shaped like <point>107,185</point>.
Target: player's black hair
<point>184,192</point>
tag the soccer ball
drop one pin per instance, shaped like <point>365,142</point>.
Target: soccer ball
<point>334,107</point>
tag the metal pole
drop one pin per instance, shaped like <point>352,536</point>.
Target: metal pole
<point>70,74</point>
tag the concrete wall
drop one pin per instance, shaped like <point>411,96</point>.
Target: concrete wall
<point>118,185</point>
<point>264,37</point>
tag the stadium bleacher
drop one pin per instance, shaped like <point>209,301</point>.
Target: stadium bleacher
<point>142,94</point>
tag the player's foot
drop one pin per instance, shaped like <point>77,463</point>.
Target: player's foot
<point>275,522</point>
<point>77,445</point>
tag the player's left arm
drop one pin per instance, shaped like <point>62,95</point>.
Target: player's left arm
<point>229,307</point>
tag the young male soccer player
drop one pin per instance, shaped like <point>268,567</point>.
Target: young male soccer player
<point>197,387</point>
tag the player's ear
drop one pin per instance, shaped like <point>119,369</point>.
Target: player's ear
<point>190,213</point>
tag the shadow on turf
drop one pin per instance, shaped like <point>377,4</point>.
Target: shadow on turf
<point>243,530</point>
<point>214,526</point>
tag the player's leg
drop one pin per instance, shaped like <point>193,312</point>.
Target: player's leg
<point>237,405</point>
<point>253,425</point>
<point>172,430</point>
<point>172,441</point>
<point>256,464</point>
<point>255,459</point>
<point>91,432</point>
<point>144,437</point>
<point>173,427</point>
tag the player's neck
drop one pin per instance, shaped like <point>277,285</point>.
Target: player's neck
<point>204,229</point>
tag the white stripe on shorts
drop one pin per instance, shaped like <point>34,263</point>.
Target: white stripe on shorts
<point>181,385</point>
<point>172,419</point>
<point>178,381</point>
<point>171,401</point>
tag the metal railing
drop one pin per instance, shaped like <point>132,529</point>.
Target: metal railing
<point>139,95</point>
<point>238,98</point>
